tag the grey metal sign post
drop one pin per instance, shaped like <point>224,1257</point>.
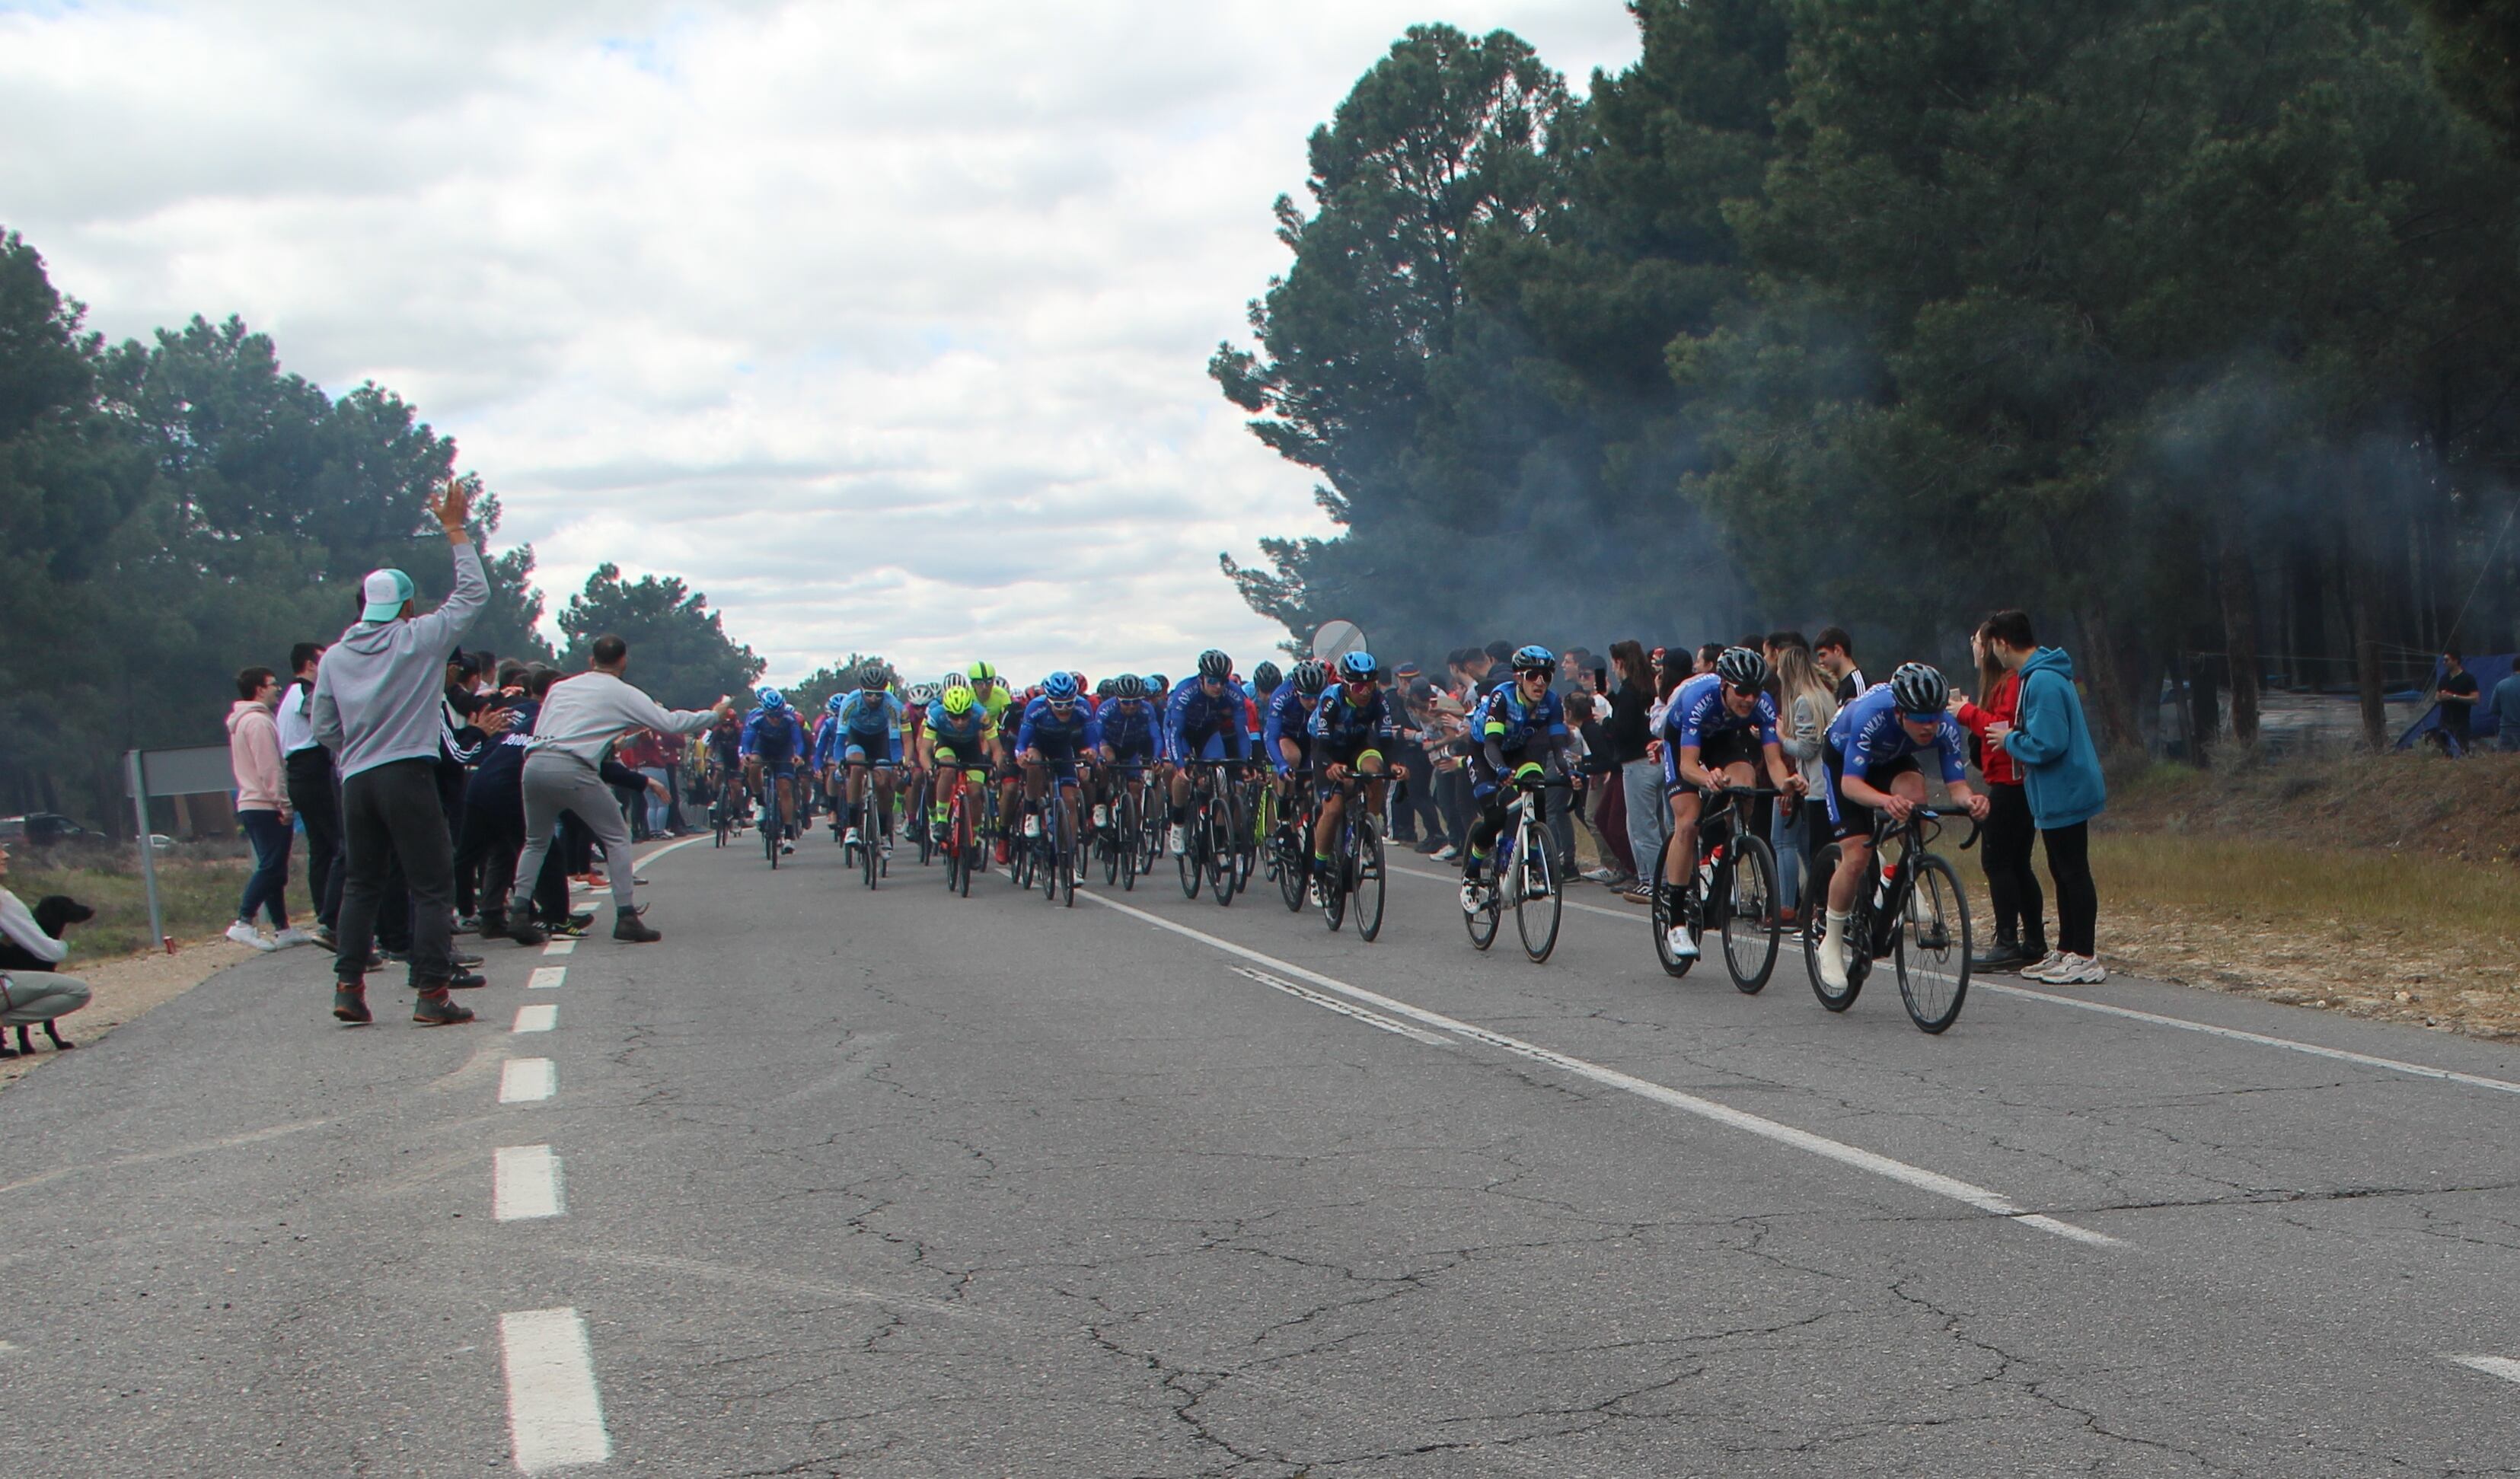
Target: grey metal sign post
<point>201,771</point>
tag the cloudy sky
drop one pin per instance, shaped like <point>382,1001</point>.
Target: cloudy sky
<point>883,324</point>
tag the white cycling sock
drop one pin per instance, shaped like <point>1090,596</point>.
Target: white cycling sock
<point>1832,935</point>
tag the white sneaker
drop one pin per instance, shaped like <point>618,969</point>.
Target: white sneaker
<point>1682,947</point>
<point>1475,897</point>
<point>1032,826</point>
<point>2048,963</point>
<point>293,935</point>
<point>1447,853</point>
<point>887,848</point>
<point>2076,970</point>
<point>246,935</point>
<point>1172,842</point>
<point>1102,815</point>
<point>786,849</point>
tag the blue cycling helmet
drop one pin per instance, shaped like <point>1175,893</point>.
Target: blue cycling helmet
<point>833,705</point>
<point>1060,688</point>
<point>769,699</point>
<point>1357,667</point>
<point>1158,685</point>
<point>1535,658</point>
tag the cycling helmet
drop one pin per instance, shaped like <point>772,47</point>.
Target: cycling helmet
<point>1128,685</point>
<point>1743,669</point>
<point>872,677</point>
<point>1157,682</point>
<point>981,672</point>
<point>1215,664</point>
<point>924,692</point>
<point>1356,668</point>
<point>833,705</point>
<point>1311,678</point>
<point>958,698</point>
<point>1266,677</point>
<point>954,681</point>
<point>1059,689</point>
<point>1106,688</point>
<point>1920,689</point>
<point>1535,658</point>
<point>769,699</point>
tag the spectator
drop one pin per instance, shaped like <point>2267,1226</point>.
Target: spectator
<point>1497,674</point>
<point>1413,808</point>
<point>379,697</point>
<point>2457,697</point>
<point>1640,775</point>
<point>1596,767</point>
<point>1705,657</point>
<point>31,990</point>
<point>2011,882</point>
<point>562,772</point>
<point>1834,651</point>
<point>1806,702</point>
<point>262,810</point>
<point>2507,712</point>
<point>2061,778</point>
<point>314,792</point>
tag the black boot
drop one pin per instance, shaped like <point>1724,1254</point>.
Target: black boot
<point>2003,954</point>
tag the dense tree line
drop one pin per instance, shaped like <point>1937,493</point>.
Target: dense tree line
<point>2193,324</point>
<point>172,511</point>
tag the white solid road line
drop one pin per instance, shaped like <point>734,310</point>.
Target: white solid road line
<point>2491,1365</point>
<point>540,1016</point>
<point>554,1417</point>
<point>2154,1019</point>
<point>545,977</point>
<point>560,945</point>
<point>524,1183</point>
<point>1917,1177</point>
<point>522,1081</point>
<point>1333,1004</point>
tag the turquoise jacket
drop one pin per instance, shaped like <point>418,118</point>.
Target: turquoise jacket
<point>2061,767</point>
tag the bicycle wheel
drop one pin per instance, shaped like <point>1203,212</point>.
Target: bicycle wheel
<point>1536,913</point>
<point>1482,922</point>
<point>1186,856</point>
<point>1669,905</point>
<point>1216,830</point>
<point>965,846</point>
<point>922,818</point>
<point>1291,852</point>
<point>870,844</point>
<point>1932,950</point>
<point>1367,864</point>
<point>1750,914</point>
<point>770,827</point>
<point>1858,929</point>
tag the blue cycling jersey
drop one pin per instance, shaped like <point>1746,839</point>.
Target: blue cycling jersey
<point>1287,719</point>
<point>1052,732</point>
<point>1513,723</point>
<point>1867,732</point>
<point>1342,726</point>
<point>1128,725</point>
<point>1190,713</point>
<point>1697,712</point>
<point>865,713</point>
<point>773,736</point>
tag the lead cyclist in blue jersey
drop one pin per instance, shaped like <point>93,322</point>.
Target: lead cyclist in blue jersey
<point>1350,727</point>
<point>1058,729</point>
<point>1129,723</point>
<point>1871,761</point>
<point>1517,728</point>
<point>774,742</point>
<point>1717,727</point>
<point>865,734</point>
<point>1203,720</point>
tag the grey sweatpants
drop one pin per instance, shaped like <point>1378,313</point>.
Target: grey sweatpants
<point>554,783</point>
<point>35,996</point>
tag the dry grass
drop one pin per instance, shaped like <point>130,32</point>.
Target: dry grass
<point>198,888</point>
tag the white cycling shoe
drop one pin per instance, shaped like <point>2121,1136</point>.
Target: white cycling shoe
<point>1676,939</point>
<point>1832,964</point>
<point>1101,816</point>
<point>849,838</point>
<point>1032,826</point>
<point>1474,898</point>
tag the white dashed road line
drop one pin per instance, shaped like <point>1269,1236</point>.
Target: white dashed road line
<point>2129,1014</point>
<point>560,945</point>
<point>521,1081</point>
<point>554,1415</point>
<point>539,1016</point>
<point>1916,1176</point>
<point>545,977</point>
<point>524,1183</point>
<point>2491,1365</point>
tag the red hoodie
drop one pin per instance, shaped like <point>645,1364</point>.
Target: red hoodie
<point>2003,703</point>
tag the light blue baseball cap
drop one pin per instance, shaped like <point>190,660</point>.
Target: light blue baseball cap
<point>384,592</point>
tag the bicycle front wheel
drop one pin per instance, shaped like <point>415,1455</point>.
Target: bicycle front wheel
<point>770,829</point>
<point>1858,929</point>
<point>1366,865</point>
<point>1216,833</point>
<point>1536,913</point>
<point>1750,916</point>
<point>1932,950</point>
<point>1670,907</point>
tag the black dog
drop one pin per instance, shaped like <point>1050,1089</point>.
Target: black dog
<point>54,913</point>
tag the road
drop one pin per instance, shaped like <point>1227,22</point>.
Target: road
<point>898,1184</point>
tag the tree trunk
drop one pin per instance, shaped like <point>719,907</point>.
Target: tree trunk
<point>2112,716</point>
<point>2239,587</point>
<point>2361,598</point>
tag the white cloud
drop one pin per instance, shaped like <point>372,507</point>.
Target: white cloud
<point>884,325</point>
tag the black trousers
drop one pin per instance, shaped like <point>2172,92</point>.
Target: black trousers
<point>390,818</point>
<point>1413,801</point>
<point>2078,899</point>
<point>2011,883</point>
<point>493,835</point>
<point>315,794</point>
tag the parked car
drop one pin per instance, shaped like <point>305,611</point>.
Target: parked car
<point>43,828</point>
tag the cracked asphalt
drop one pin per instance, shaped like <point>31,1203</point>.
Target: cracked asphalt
<point>905,1185</point>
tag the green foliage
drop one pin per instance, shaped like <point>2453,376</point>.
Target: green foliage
<point>679,649</point>
<point>2474,46</point>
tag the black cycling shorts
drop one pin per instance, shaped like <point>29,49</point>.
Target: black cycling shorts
<point>1848,818</point>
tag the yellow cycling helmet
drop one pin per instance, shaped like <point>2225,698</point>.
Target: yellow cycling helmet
<point>981,672</point>
<point>958,700</point>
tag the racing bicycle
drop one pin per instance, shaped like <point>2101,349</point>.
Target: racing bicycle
<point>1914,912</point>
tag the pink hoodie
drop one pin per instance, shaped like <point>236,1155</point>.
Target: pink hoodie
<point>254,753</point>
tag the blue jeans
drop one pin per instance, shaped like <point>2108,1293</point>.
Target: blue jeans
<point>658,807</point>
<point>1648,813</point>
<point>268,888</point>
<point>1787,837</point>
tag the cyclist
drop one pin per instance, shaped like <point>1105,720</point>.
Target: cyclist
<point>959,737</point>
<point>1349,730</point>
<point>774,742</point>
<point>827,767</point>
<point>918,712</point>
<point>1129,723</point>
<point>865,734</point>
<point>1717,726</point>
<point>990,692</point>
<point>1286,735</point>
<point>1869,758</point>
<point>1265,682</point>
<point>722,748</point>
<point>1056,728</point>
<point>1518,726</point>
<point>1204,719</point>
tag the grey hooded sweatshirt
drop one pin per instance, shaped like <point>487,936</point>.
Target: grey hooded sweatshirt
<point>380,688</point>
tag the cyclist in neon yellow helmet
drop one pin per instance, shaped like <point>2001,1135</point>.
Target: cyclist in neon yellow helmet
<point>961,736</point>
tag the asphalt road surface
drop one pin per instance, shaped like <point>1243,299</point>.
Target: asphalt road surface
<point>900,1184</point>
